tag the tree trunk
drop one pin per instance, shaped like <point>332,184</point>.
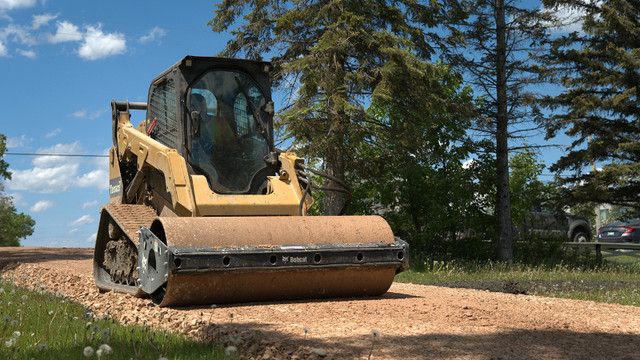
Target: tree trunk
<point>503,205</point>
<point>334,165</point>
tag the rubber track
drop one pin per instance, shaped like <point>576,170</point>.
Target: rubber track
<point>130,217</point>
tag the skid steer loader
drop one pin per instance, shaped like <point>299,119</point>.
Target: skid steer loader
<point>203,209</point>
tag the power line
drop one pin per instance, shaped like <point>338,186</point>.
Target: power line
<point>68,155</point>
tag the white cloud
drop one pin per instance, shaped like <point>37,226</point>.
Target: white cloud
<point>90,204</point>
<point>16,4</point>
<point>66,31</point>
<point>18,142</point>
<point>3,49</point>
<point>73,230</point>
<point>42,20</point>
<point>84,114</point>
<point>96,178</point>
<point>83,220</point>
<point>27,53</point>
<point>53,133</point>
<point>41,205</point>
<point>54,174</point>
<point>18,33</point>
<point>92,238</point>
<point>570,19</point>
<point>154,34</point>
<point>18,199</point>
<point>98,45</point>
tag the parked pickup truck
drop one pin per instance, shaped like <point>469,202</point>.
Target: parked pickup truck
<point>546,225</point>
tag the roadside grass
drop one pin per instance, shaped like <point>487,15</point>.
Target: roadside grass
<point>612,281</point>
<point>35,325</point>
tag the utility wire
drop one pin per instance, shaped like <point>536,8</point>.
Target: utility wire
<point>71,155</point>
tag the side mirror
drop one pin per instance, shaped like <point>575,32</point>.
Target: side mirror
<point>195,123</point>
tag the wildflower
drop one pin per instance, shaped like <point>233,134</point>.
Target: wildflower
<point>106,349</point>
<point>230,350</point>
<point>14,322</point>
<point>50,312</point>
<point>43,347</point>
<point>375,333</point>
<point>88,351</point>
<point>24,297</point>
<point>99,353</point>
<point>306,331</point>
<point>16,334</point>
<point>9,343</point>
<point>6,319</point>
<point>95,328</point>
<point>1,290</point>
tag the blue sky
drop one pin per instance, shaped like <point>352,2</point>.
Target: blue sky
<point>61,64</point>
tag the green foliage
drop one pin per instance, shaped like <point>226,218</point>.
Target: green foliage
<point>411,164</point>
<point>13,225</point>
<point>571,276</point>
<point>38,325</point>
<point>527,191</point>
<point>334,58</point>
<point>599,108</point>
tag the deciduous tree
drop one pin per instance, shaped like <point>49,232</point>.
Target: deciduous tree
<point>13,225</point>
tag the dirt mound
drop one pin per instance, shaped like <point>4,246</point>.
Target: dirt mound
<point>409,322</point>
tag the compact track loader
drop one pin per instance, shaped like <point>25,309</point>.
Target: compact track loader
<point>203,209</point>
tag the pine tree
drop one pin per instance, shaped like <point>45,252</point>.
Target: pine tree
<point>500,42</point>
<point>339,55</point>
<point>599,68</point>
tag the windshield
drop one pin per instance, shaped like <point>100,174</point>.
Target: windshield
<point>228,147</point>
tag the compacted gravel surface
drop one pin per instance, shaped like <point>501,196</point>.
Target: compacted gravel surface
<point>409,322</point>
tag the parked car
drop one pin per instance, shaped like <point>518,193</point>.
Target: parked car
<point>620,232</point>
<point>546,225</point>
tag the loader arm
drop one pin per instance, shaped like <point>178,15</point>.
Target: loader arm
<point>133,145</point>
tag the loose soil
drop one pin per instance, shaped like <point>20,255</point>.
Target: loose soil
<point>409,322</point>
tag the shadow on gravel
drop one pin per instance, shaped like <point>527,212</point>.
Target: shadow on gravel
<point>387,295</point>
<point>534,287</point>
<point>516,344</point>
<point>9,257</point>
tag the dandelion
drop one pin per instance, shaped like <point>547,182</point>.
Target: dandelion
<point>43,347</point>
<point>50,312</point>
<point>163,358</point>
<point>88,351</point>
<point>306,331</point>
<point>9,343</point>
<point>16,334</point>
<point>375,333</point>
<point>6,319</point>
<point>1,290</point>
<point>106,349</point>
<point>229,350</point>
<point>99,353</point>
<point>87,325</point>
<point>95,328</point>
<point>14,322</point>
<point>24,297</point>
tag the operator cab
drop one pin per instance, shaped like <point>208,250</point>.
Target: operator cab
<point>221,120</point>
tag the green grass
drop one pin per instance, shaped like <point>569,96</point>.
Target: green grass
<point>610,282</point>
<point>35,325</point>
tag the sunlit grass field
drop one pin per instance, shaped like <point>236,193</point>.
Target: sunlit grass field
<point>617,280</point>
<point>39,325</point>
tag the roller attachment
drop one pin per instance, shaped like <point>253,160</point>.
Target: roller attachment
<point>207,266</point>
